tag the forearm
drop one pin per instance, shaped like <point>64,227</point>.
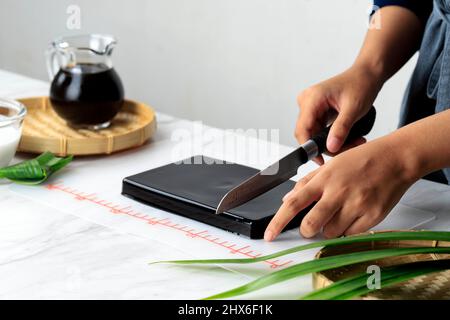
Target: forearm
<point>386,49</point>
<point>422,146</point>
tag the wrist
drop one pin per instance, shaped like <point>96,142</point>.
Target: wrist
<point>371,72</point>
<point>411,162</point>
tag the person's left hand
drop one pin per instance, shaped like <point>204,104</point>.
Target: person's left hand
<point>354,191</point>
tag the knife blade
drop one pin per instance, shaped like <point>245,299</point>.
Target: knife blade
<point>287,167</point>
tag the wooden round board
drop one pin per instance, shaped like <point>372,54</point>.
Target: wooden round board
<point>435,286</point>
<point>44,131</point>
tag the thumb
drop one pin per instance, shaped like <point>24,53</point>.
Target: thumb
<point>339,131</point>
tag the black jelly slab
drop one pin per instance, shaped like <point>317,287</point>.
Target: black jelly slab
<point>194,187</point>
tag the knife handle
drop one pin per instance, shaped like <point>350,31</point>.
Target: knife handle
<point>361,128</point>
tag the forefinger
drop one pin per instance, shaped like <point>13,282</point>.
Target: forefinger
<point>307,124</point>
<point>296,202</point>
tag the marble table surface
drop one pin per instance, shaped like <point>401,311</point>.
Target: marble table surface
<point>46,253</point>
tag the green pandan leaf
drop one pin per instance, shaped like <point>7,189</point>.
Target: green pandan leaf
<point>386,236</point>
<point>357,285</point>
<point>35,171</point>
<point>348,288</point>
<point>322,264</point>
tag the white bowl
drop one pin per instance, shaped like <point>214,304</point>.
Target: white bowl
<point>12,114</point>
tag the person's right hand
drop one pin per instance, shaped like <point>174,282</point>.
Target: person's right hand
<point>350,94</point>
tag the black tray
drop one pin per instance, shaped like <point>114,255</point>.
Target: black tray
<point>193,188</point>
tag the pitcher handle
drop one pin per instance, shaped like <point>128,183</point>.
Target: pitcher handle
<point>52,63</point>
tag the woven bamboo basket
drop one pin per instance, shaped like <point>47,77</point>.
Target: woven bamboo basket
<point>44,131</point>
<point>435,286</point>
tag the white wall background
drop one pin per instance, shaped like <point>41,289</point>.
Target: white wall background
<point>229,63</point>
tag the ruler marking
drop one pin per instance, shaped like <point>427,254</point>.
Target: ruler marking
<point>115,208</point>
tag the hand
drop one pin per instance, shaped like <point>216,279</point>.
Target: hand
<point>351,94</point>
<point>354,191</point>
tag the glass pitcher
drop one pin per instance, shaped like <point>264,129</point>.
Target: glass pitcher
<point>85,91</point>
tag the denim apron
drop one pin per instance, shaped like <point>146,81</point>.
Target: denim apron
<point>428,91</point>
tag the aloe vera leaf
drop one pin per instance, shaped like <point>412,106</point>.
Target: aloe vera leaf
<point>354,286</point>
<point>388,282</point>
<point>387,236</point>
<point>322,264</point>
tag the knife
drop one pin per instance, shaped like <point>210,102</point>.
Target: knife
<point>287,167</point>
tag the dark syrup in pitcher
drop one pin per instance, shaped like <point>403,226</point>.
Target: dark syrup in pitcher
<point>87,94</point>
